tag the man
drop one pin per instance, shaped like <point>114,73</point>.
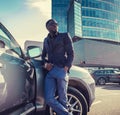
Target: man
<point>58,56</point>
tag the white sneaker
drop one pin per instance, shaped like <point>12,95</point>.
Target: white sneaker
<point>70,113</point>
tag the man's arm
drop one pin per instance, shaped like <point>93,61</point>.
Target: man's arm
<point>44,53</point>
<point>48,66</point>
<point>69,51</point>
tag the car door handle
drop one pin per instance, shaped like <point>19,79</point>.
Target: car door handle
<point>1,65</point>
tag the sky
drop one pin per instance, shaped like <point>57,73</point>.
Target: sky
<point>25,19</point>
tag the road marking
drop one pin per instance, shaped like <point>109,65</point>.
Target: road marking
<point>96,102</point>
<point>110,94</point>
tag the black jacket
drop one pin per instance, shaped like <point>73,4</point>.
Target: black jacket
<point>58,50</point>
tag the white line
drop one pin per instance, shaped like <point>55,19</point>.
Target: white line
<point>96,102</point>
<point>110,94</point>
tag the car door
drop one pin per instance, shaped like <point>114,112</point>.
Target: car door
<point>16,74</point>
<point>115,76</point>
<point>40,74</point>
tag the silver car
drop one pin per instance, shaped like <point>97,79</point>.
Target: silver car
<point>22,81</point>
<point>81,90</point>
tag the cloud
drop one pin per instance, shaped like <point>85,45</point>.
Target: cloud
<point>44,6</point>
<point>29,23</point>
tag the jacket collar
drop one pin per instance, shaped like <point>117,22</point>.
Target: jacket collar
<point>56,34</point>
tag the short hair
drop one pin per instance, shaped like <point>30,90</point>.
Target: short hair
<point>52,21</point>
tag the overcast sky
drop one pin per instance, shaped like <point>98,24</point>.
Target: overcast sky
<point>25,19</point>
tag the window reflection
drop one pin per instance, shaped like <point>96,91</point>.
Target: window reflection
<point>99,19</point>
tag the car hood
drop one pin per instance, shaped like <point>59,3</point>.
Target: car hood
<point>80,73</point>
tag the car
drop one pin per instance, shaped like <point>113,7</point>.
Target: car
<point>22,81</point>
<point>104,76</point>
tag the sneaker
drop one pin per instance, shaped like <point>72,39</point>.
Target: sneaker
<point>70,113</point>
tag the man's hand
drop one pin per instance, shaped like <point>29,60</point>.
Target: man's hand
<point>48,66</point>
<point>66,68</point>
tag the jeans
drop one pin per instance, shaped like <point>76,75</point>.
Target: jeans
<point>57,79</point>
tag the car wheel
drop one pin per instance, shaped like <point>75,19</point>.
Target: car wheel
<point>77,103</point>
<point>101,81</point>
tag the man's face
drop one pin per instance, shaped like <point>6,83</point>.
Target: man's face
<point>52,27</point>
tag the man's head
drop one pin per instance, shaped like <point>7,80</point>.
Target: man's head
<point>52,26</point>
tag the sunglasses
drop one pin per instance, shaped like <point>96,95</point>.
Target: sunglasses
<point>52,24</point>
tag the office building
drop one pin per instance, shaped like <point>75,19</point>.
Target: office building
<point>90,20</point>
<point>98,19</point>
<point>59,12</point>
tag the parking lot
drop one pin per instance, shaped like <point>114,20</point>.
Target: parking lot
<point>107,100</point>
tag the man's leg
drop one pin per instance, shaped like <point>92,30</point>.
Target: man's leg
<point>62,84</point>
<point>50,89</point>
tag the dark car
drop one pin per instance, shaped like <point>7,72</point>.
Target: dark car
<point>104,76</point>
<point>22,81</point>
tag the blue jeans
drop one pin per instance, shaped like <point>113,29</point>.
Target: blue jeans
<point>57,79</point>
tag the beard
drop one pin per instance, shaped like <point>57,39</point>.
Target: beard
<point>53,32</point>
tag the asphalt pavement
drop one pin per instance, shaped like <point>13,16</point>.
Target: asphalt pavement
<point>107,100</point>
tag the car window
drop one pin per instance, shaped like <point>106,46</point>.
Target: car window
<point>2,34</point>
<point>99,72</point>
<point>116,71</point>
<point>103,72</point>
<point>10,46</point>
<point>108,72</point>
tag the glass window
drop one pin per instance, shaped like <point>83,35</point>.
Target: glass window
<point>10,45</point>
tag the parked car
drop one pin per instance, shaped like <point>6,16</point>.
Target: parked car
<point>22,81</point>
<point>104,76</point>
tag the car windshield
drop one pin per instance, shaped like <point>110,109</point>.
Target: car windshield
<point>9,41</point>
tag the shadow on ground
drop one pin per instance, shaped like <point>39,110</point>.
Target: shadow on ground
<point>110,86</point>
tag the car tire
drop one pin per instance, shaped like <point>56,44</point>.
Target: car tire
<point>76,102</point>
<point>101,81</point>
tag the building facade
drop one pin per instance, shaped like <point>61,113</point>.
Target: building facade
<point>74,22</point>
<point>98,19</point>
<point>97,53</point>
<point>101,19</point>
<point>88,21</point>
<point>59,12</point>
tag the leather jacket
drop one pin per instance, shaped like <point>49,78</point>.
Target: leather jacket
<point>58,50</point>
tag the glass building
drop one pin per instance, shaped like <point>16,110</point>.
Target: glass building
<point>96,19</point>
<point>74,22</point>
<point>59,12</point>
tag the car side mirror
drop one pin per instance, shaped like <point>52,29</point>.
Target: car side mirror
<point>34,51</point>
